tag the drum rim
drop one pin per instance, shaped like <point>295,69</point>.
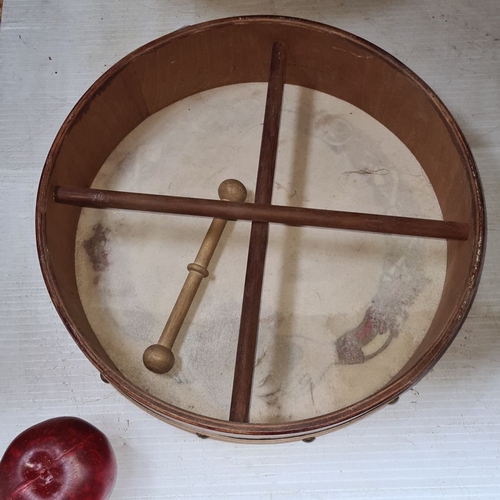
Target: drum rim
<point>253,431</point>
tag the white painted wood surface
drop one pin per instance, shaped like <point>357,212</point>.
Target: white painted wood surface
<point>441,441</point>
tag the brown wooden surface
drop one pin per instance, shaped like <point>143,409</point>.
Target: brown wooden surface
<point>236,50</point>
<point>250,309</point>
<point>292,216</point>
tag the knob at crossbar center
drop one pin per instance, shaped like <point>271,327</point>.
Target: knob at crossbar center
<point>159,357</point>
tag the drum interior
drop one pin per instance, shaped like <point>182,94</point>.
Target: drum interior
<point>342,311</point>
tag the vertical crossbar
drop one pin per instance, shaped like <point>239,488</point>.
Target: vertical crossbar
<point>249,322</point>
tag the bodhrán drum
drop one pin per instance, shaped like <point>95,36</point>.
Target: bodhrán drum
<point>343,320</point>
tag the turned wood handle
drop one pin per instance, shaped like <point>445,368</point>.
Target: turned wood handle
<point>159,357</point>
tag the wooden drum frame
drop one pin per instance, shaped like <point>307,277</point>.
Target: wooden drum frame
<point>239,50</point>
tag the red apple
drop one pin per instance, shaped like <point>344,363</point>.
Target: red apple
<point>62,458</point>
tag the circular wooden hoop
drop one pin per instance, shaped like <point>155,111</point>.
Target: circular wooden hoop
<point>238,50</point>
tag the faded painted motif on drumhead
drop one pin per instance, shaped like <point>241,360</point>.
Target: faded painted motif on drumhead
<point>342,312</point>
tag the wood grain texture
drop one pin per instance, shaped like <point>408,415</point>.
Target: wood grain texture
<point>250,309</point>
<point>292,216</point>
